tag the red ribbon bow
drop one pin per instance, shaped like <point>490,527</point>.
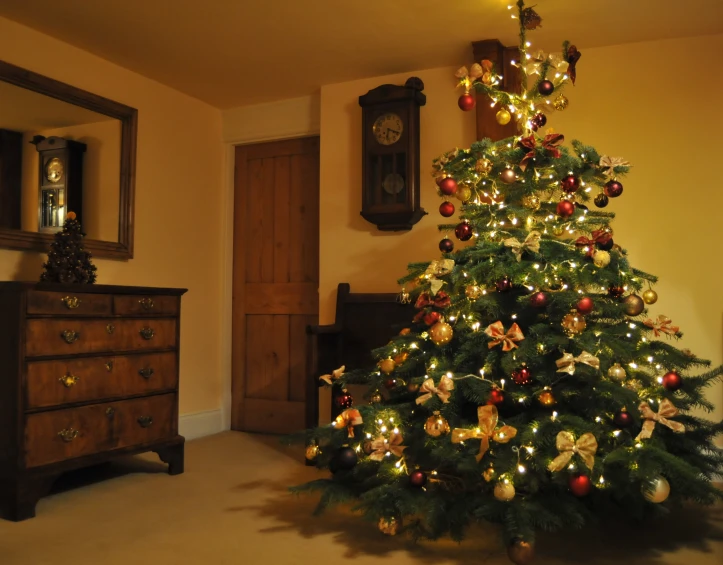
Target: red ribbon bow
<point>599,237</point>
<point>440,300</point>
<point>549,143</point>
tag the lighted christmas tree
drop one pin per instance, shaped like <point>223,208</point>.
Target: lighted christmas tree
<point>68,261</point>
<point>532,389</point>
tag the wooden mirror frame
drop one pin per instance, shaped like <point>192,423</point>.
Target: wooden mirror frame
<point>32,241</point>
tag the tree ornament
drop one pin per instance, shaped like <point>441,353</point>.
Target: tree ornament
<point>483,166</point>
<point>463,231</point>
<point>601,258</point>
<point>650,296</point>
<point>530,19</point>
<point>496,397</point>
<point>441,333</point>
<point>473,292</point>
<point>539,300</point>
<point>466,102</point>
<point>657,490</point>
<point>503,285</point>
<point>573,323</point>
<point>312,451</point>
<point>580,485</point>
<point>531,202</point>
<point>346,458</point>
<point>446,245</point>
<point>386,366</point>
<point>633,305</point>
<point>601,200</point>
<point>504,491</point>
<point>558,229</point>
<point>446,209</point>
<point>546,398</point>
<point>522,376</point>
<point>615,291</point>
<point>561,102</point>
<point>436,425</point>
<point>376,397</point>
<point>672,381</point>
<point>439,179</point>
<point>418,479</point>
<point>508,176</point>
<point>585,305</point>
<point>613,188</point>
<point>344,400</point>
<point>431,318</point>
<point>448,186</point>
<point>412,387</point>
<point>570,184</point>
<point>521,552</point>
<point>565,208</point>
<point>464,193</point>
<point>389,526</point>
<point>503,117</point>
<point>546,87</point>
<point>623,419</point>
<point>538,121</point>
<point>616,372</point>
<point>401,357</point>
<point>390,383</point>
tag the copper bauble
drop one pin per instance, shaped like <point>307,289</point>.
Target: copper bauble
<point>441,333</point>
<point>650,296</point>
<point>508,176</point>
<point>401,357</point>
<point>311,452</point>
<point>375,397</point>
<point>601,258</point>
<point>531,202</point>
<point>561,102</point>
<point>657,490</point>
<point>633,305</point>
<point>389,526</point>
<point>503,117</point>
<point>489,474</point>
<point>386,366</point>
<point>464,193</point>
<point>504,491</point>
<point>546,398</point>
<point>573,323</point>
<point>473,291</point>
<point>436,425</point>
<point>616,372</point>
<point>483,166</point>
<point>521,552</point>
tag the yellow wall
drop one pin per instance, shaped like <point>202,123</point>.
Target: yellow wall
<point>179,198</point>
<point>626,102</point>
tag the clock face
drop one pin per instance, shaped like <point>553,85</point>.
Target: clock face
<point>388,128</point>
<point>393,183</point>
<point>54,170</point>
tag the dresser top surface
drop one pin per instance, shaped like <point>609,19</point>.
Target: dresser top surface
<point>15,286</point>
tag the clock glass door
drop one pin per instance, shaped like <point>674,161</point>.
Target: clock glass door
<point>388,176</point>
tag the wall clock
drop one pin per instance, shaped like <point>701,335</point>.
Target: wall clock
<point>390,155</point>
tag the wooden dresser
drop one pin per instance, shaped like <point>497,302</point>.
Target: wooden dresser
<point>87,373</point>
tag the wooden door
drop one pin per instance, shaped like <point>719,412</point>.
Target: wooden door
<point>275,281</point>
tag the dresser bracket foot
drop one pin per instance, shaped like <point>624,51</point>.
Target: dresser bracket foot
<point>173,455</point>
<point>21,495</point>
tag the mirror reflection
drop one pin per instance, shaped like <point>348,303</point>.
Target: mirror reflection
<point>54,158</point>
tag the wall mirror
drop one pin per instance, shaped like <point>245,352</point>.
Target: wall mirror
<point>64,149</point>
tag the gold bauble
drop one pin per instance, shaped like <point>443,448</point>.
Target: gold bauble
<point>531,202</point>
<point>650,296</point>
<point>561,102</point>
<point>521,552</point>
<point>508,176</point>
<point>412,387</point>
<point>574,323</point>
<point>504,491</point>
<point>464,193</point>
<point>634,385</point>
<point>558,229</point>
<point>311,452</point>
<point>489,474</point>
<point>376,397</point>
<point>657,491</point>
<point>386,366</point>
<point>441,333</point>
<point>633,305</point>
<point>601,258</point>
<point>503,117</point>
<point>546,398</point>
<point>473,292</point>
<point>483,166</point>
<point>616,372</point>
<point>400,357</point>
<point>389,526</point>
<point>436,425</point>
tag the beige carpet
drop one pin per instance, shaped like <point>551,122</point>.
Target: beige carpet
<point>231,507</point>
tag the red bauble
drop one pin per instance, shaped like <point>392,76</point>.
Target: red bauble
<point>446,209</point>
<point>565,208</point>
<point>672,381</point>
<point>503,285</point>
<point>580,485</point>
<point>615,291</point>
<point>585,305</point>
<point>446,245</point>
<point>497,397</point>
<point>448,186</point>
<point>439,180</point>
<point>466,102</point>
<point>418,479</point>
<point>570,184</point>
<point>390,383</point>
<point>522,376</point>
<point>431,318</point>
<point>539,300</point>
<point>546,88</point>
<point>613,188</point>
<point>344,400</point>
<point>623,419</point>
<point>463,231</point>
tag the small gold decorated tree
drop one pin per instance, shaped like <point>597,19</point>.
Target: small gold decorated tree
<point>68,260</point>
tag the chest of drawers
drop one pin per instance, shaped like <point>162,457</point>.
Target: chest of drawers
<point>87,373</point>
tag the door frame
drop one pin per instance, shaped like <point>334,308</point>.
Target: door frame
<point>277,121</point>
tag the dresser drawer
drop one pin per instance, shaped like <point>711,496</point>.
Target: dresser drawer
<point>52,383</point>
<point>68,304</point>
<point>129,305</point>
<point>64,434</point>
<point>45,337</point>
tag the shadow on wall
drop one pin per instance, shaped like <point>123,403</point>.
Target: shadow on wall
<point>29,267</point>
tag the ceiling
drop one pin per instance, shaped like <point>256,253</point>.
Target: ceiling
<point>236,52</point>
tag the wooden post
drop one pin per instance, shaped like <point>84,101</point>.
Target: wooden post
<point>502,58</point>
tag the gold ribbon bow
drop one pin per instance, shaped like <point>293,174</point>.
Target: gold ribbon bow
<point>440,268</point>
<point>381,446</point>
<point>488,417</point>
<point>566,364</point>
<point>497,332</point>
<point>531,243</point>
<point>662,326</point>
<point>445,385</point>
<point>585,447</point>
<point>665,411</point>
<point>335,375</point>
<point>348,418</point>
<point>608,165</point>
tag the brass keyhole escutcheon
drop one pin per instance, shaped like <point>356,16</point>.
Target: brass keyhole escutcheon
<point>146,303</point>
<point>71,303</point>
<point>146,372</point>
<point>147,333</point>
<point>69,336</point>
<point>69,380</point>
<point>68,434</point>
<point>110,411</point>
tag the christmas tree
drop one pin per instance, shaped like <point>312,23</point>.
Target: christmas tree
<point>68,261</point>
<point>532,389</point>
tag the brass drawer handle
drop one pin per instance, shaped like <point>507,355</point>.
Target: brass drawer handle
<point>69,380</point>
<point>147,333</point>
<point>146,372</point>
<point>71,303</point>
<point>68,435</point>
<point>69,336</point>
<point>146,303</point>
<point>145,421</point>
<point>110,328</point>
<point>109,366</point>
<point>110,411</point>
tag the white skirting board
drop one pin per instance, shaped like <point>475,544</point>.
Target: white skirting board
<point>200,424</point>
